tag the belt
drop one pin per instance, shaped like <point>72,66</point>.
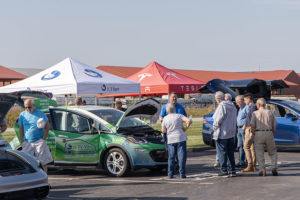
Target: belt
<point>240,126</point>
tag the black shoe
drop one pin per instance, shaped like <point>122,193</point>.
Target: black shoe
<point>244,165</point>
<point>232,174</point>
<point>238,165</point>
<point>274,172</point>
<point>222,173</point>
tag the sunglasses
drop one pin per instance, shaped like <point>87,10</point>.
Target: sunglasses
<point>28,107</point>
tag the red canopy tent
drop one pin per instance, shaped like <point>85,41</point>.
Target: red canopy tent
<point>156,79</point>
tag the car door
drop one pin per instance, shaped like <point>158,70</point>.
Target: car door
<point>76,141</point>
<point>287,127</point>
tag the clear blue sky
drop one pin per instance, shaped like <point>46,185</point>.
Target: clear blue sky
<point>224,35</point>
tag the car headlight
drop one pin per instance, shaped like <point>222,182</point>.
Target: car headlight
<point>137,140</point>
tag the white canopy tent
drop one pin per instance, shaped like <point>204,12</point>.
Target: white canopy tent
<point>72,77</point>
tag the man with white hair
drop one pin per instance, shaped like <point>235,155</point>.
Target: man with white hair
<point>172,126</point>
<point>228,98</point>
<point>241,121</point>
<point>263,122</point>
<point>34,128</point>
<point>224,132</point>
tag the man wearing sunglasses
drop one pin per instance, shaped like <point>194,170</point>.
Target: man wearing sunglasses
<point>34,128</point>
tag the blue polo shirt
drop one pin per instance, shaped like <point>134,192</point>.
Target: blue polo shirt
<point>29,123</point>
<point>179,110</point>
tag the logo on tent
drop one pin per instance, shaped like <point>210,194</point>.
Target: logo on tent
<point>144,75</point>
<point>103,87</point>
<point>172,74</point>
<point>92,73</point>
<point>51,75</point>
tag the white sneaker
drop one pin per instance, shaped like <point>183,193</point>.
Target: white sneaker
<point>217,165</point>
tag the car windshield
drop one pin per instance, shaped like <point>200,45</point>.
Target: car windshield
<point>112,116</point>
<point>293,104</point>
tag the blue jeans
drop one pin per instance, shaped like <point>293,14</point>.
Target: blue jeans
<point>178,149</point>
<point>226,151</point>
<point>240,146</point>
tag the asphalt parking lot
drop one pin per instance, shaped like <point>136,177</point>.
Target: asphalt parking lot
<point>202,182</point>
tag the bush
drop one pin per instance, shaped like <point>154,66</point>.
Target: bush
<point>199,111</point>
<point>12,115</point>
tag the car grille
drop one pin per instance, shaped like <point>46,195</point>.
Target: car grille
<point>155,140</point>
<point>159,155</point>
<point>37,193</point>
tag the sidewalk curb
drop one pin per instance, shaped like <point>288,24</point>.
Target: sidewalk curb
<point>199,149</point>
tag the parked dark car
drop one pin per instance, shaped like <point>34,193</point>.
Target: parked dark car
<point>21,175</point>
<point>287,112</point>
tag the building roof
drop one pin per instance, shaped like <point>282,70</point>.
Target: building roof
<point>8,74</point>
<point>123,72</point>
<point>28,71</point>
<point>209,75</point>
<point>205,76</point>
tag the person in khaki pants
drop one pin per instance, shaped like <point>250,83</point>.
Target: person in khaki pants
<point>264,123</point>
<point>249,135</point>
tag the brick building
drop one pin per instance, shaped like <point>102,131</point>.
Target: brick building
<point>290,77</point>
<point>8,76</point>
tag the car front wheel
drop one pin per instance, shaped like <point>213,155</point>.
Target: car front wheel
<point>116,162</point>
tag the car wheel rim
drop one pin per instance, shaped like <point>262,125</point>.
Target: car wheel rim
<point>115,163</point>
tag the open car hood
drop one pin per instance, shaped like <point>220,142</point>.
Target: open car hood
<point>7,100</point>
<point>148,108</point>
<point>216,85</point>
<point>258,88</point>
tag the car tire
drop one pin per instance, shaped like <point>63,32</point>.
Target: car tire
<point>116,163</point>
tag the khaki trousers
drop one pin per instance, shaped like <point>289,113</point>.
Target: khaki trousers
<point>249,147</point>
<point>261,139</point>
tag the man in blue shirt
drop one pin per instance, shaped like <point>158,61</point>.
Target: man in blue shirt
<point>34,128</point>
<point>172,100</point>
<point>241,121</point>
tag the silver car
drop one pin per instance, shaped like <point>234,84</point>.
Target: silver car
<point>21,175</point>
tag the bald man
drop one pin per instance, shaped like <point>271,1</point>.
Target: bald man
<point>34,128</point>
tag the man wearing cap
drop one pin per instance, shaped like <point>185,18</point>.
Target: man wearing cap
<point>78,101</point>
<point>264,124</point>
<point>34,128</point>
<point>118,106</point>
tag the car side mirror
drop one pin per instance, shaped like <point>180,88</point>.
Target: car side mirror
<point>291,116</point>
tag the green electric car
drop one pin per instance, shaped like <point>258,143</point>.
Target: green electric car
<point>104,137</point>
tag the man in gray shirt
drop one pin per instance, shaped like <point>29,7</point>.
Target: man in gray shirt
<point>224,131</point>
<point>172,126</point>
